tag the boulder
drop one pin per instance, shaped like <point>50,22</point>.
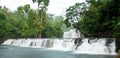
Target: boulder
<point>117,45</point>
<point>118,55</point>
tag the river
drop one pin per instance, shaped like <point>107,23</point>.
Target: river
<point>7,51</point>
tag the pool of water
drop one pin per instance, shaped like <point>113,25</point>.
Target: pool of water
<point>20,52</point>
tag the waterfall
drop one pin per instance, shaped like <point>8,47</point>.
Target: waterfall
<point>96,46</point>
<point>72,33</point>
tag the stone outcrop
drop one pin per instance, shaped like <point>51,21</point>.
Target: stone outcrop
<point>118,55</point>
<point>77,42</point>
<point>117,44</point>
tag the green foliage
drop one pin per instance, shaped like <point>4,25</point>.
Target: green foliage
<point>26,7</point>
<point>2,24</point>
<point>20,9</point>
<point>28,23</point>
<point>53,26</point>
<point>73,13</point>
<point>97,18</point>
<point>46,2</point>
<point>42,7</point>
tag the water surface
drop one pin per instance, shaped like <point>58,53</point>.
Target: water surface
<point>20,52</point>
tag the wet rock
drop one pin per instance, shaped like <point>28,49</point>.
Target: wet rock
<point>109,41</point>
<point>117,45</point>
<point>118,55</point>
<point>2,40</point>
<point>77,42</point>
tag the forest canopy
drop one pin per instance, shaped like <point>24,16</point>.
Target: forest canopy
<point>29,23</point>
<point>95,18</point>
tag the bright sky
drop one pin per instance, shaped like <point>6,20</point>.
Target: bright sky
<point>56,7</point>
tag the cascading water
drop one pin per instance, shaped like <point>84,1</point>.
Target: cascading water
<point>96,46</point>
<point>64,44</point>
<point>72,33</point>
<point>93,46</point>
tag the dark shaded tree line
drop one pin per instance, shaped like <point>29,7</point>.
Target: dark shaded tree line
<point>95,18</point>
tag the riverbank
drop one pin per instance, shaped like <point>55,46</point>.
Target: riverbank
<point>2,40</point>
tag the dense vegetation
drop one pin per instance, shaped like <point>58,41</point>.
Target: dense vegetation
<point>95,18</point>
<point>30,23</point>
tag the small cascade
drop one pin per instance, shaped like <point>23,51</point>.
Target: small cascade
<point>72,33</point>
<point>95,46</point>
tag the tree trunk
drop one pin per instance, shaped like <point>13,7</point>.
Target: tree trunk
<point>39,34</point>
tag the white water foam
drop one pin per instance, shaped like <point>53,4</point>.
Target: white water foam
<point>96,47</point>
<point>72,33</point>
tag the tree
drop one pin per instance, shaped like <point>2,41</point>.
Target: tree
<point>29,23</point>
<point>73,13</point>
<point>42,4</point>
<point>34,23</point>
<point>2,26</point>
<point>94,19</point>
<point>53,25</point>
<point>26,8</point>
